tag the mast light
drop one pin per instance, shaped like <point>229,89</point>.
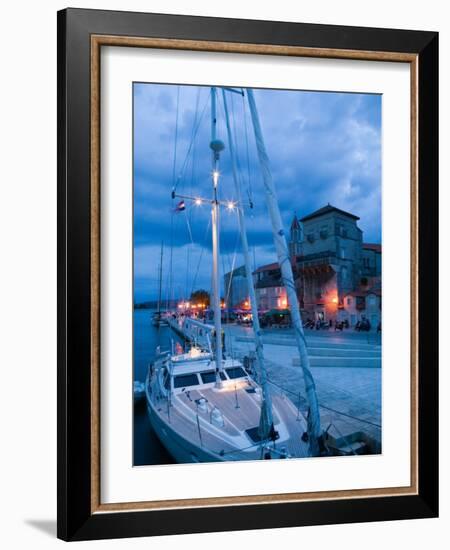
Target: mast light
<point>215,176</point>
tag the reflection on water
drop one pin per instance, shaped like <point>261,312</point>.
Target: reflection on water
<point>147,448</point>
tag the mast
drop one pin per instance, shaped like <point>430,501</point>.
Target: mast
<point>314,428</point>
<point>266,423</point>
<point>216,147</point>
<point>160,279</point>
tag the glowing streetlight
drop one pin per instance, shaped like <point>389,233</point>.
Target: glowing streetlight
<point>198,202</point>
<point>230,205</point>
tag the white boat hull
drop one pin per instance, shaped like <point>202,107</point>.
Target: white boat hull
<point>181,450</point>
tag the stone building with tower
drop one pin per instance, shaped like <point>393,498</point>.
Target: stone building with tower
<point>337,275</point>
<point>330,262</point>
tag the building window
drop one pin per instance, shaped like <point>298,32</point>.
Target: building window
<point>341,230</point>
<point>310,237</point>
<point>349,301</point>
<point>342,252</point>
<point>371,300</point>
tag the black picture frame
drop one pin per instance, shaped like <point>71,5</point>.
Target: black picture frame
<point>75,478</point>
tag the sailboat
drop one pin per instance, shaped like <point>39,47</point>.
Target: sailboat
<point>203,404</point>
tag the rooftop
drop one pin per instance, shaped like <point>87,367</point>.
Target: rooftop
<point>372,246</point>
<point>295,223</point>
<point>326,210</point>
<point>267,267</point>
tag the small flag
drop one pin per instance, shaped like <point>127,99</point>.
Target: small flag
<point>180,207</point>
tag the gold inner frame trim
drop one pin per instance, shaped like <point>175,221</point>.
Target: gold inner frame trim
<point>97,41</point>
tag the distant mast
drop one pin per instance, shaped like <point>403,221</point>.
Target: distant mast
<point>216,147</point>
<point>315,432</point>
<point>160,278</point>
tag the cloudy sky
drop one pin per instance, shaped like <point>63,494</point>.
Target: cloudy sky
<point>324,148</point>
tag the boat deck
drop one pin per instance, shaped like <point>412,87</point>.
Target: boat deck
<point>241,411</point>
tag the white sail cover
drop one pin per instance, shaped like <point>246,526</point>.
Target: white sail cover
<point>315,431</point>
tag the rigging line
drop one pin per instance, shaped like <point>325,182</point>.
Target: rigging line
<point>191,186</point>
<point>186,287</point>
<point>227,292</point>
<point>231,278</point>
<point>231,265</point>
<point>176,136</point>
<point>350,416</point>
<point>249,186</point>
<point>172,212</point>
<point>223,271</point>
<point>189,179</point>
<point>240,172</point>
<point>194,149</point>
<point>325,407</point>
<point>188,223</point>
<point>238,161</point>
<point>201,254</point>
<point>183,168</point>
<point>236,148</point>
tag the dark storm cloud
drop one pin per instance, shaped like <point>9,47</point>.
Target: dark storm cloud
<point>323,147</point>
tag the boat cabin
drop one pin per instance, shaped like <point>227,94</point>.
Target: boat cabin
<point>183,372</point>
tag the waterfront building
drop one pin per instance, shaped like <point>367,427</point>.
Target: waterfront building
<point>362,304</point>
<point>296,240</point>
<point>371,260</point>
<point>235,287</point>
<point>336,264</point>
<point>337,275</point>
<point>270,292</point>
<point>330,264</point>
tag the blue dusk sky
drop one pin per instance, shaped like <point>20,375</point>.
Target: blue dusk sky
<point>324,147</point>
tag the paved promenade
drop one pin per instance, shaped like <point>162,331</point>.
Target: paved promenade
<point>346,368</point>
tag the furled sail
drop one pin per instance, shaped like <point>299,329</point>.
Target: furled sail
<point>315,432</point>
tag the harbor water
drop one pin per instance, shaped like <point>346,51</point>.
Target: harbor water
<point>346,367</point>
<point>147,448</point>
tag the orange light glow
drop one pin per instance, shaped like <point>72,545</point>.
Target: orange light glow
<point>334,300</point>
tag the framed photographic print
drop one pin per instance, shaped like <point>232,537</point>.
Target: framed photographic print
<point>247,255</point>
